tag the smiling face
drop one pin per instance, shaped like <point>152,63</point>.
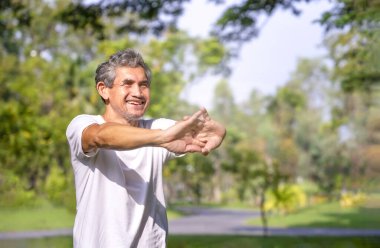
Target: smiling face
<point>128,98</point>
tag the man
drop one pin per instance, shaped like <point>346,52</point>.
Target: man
<point>117,158</point>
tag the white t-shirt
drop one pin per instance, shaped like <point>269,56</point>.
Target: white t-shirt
<point>119,194</point>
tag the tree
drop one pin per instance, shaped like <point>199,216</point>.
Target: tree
<point>256,175</point>
<point>354,51</point>
<point>47,69</point>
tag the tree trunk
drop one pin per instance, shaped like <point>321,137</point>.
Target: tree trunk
<point>263,214</point>
<point>217,192</point>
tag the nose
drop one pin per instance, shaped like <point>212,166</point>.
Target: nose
<point>135,90</point>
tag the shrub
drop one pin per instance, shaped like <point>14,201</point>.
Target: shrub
<point>59,188</point>
<point>13,193</point>
<point>289,197</point>
<point>349,199</point>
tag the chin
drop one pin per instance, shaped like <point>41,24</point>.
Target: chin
<point>133,117</point>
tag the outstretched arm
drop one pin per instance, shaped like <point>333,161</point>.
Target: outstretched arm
<point>179,138</point>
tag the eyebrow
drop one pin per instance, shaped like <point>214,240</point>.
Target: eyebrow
<point>127,80</point>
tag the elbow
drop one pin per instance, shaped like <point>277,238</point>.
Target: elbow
<point>99,140</point>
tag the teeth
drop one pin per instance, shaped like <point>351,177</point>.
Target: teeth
<point>135,103</point>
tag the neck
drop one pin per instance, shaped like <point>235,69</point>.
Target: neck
<point>126,120</point>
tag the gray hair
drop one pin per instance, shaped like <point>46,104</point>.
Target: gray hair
<point>106,72</point>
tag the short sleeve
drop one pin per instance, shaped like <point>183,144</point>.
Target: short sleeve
<point>74,135</point>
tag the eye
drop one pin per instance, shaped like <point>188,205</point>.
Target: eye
<point>126,84</point>
<point>144,85</point>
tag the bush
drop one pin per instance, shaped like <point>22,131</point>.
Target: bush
<point>13,192</point>
<point>287,198</point>
<point>59,188</point>
<point>349,199</point>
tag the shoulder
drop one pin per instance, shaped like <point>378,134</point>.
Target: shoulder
<point>82,121</point>
<point>86,117</point>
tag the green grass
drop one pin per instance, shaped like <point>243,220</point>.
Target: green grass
<point>271,242</point>
<point>222,242</point>
<point>173,214</point>
<point>44,217</point>
<point>366,216</point>
<point>47,216</point>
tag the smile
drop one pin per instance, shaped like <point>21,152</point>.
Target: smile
<point>134,102</point>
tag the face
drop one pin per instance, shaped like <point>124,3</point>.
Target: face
<point>129,96</point>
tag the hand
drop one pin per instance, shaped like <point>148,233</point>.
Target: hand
<point>212,133</point>
<point>180,138</point>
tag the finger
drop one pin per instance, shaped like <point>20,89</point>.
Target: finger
<point>205,115</point>
<point>196,116</point>
<point>200,124</point>
<point>205,151</point>
<point>186,117</point>
<point>195,122</point>
<point>193,148</point>
<point>199,143</point>
<point>201,135</point>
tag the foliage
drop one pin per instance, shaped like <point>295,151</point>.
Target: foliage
<point>240,21</point>
<point>13,192</point>
<point>48,79</point>
<point>321,125</point>
<point>287,198</point>
<point>352,13</point>
<point>188,177</point>
<point>349,199</point>
<point>365,215</point>
<point>59,188</point>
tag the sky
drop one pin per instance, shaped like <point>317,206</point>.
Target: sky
<point>267,61</point>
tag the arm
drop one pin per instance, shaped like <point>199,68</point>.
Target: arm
<point>179,138</point>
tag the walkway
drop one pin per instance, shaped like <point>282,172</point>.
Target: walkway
<point>204,221</point>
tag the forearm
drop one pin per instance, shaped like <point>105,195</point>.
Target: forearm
<point>178,138</point>
<point>120,137</point>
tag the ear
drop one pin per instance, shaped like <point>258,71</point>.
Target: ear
<point>102,90</point>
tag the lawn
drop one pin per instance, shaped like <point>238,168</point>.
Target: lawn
<point>271,242</point>
<point>222,242</point>
<point>48,216</point>
<point>366,216</point>
<point>44,217</point>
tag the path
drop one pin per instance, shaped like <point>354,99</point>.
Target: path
<point>204,221</point>
<point>209,221</point>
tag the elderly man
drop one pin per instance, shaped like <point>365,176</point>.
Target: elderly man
<point>118,158</point>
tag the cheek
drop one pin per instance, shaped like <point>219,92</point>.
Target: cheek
<point>147,95</point>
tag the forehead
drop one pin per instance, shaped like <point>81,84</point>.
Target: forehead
<point>132,73</point>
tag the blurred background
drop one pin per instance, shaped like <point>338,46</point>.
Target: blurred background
<point>296,83</point>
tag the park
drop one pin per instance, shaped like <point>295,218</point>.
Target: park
<point>299,167</point>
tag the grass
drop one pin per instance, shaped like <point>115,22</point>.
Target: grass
<point>222,242</point>
<point>45,216</point>
<point>273,242</point>
<point>366,216</point>
<point>48,216</point>
<point>174,214</point>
